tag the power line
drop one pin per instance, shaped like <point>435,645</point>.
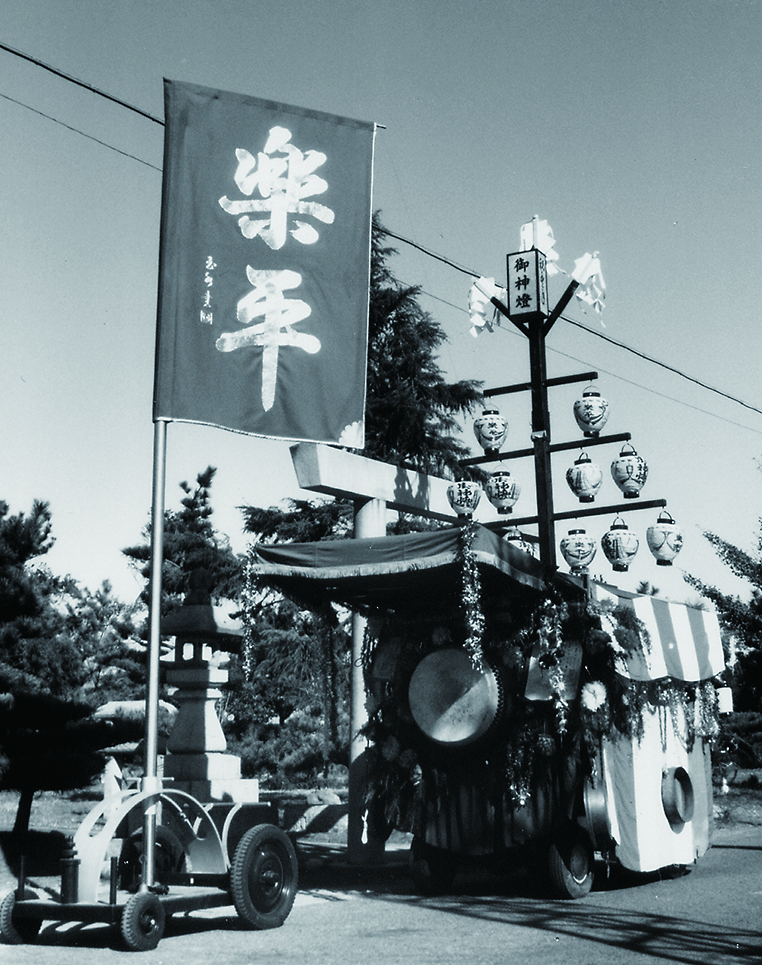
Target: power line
<point>511,332</point>
<point>80,83</point>
<point>427,251</point>
<point>664,365</point>
<point>78,131</point>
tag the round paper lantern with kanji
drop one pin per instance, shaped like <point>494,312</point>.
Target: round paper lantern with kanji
<point>620,545</point>
<point>464,496</point>
<point>629,471</point>
<point>502,491</point>
<point>664,539</point>
<point>585,478</point>
<point>578,549</point>
<point>591,412</point>
<point>490,429</point>
<point>514,537</point>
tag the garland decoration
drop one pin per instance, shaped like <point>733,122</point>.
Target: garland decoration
<point>471,594</point>
<point>248,638</point>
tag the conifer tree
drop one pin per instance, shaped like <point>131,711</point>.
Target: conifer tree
<point>191,543</point>
<point>742,620</point>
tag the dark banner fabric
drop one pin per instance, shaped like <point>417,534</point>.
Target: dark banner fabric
<point>264,267</point>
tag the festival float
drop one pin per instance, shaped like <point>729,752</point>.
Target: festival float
<point>507,712</point>
<point>512,708</point>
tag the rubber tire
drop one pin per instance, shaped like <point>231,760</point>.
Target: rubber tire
<point>432,871</point>
<point>15,930</point>
<point>143,920</point>
<point>264,877</point>
<point>571,864</point>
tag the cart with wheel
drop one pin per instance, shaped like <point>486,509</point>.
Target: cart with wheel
<point>205,856</point>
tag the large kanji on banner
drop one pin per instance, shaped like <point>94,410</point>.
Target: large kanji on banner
<point>264,267</point>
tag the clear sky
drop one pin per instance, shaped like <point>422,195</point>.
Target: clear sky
<point>634,128</point>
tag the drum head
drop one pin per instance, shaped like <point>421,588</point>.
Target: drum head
<point>453,702</point>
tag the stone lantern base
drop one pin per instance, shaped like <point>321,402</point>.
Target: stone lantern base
<point>196,761</point>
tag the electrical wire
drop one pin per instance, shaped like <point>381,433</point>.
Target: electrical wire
<point>80,83</point>
<point>76,130</point>
<point>663,395</point>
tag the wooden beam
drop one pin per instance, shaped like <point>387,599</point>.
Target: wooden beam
<point>345,475</point>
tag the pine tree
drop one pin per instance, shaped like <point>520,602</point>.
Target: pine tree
<point>191,543</point>
<point>301,660</point>
<point>36,653</point>
<point>742,620</point>
<point>411,410</point>
<point>48,737</point>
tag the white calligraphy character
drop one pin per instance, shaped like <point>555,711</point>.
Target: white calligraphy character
<point>280,313</point>
<point>283,182</point>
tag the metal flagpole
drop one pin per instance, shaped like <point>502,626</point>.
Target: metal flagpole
<point>151,781</point>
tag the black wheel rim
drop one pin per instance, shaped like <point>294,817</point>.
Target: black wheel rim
<point>267,878</point>
<point>148,922</point>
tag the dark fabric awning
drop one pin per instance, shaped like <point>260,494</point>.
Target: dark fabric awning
<point>395,571</point>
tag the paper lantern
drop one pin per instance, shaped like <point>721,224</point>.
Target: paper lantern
<point>502,491</point>
<point>591,412</point>
<point>514,537</point>
<point>578,549</point>
<point>664,539</point>
<point>584,478</point>
<point>620,545</point>
<point>490,429</point>
<point>464,496</point>
<point>629,471</point>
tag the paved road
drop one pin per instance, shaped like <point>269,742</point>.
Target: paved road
<point>345,916</point>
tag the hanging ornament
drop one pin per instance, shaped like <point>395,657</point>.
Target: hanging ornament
<point>464,496</point>
<point>629,471</point>
<point>514,537</point>
<point>664,539</point>
<point>584,478</point>
<point>620,545</point>
<point>480,307</point>
<point>490,429</point>
<point>591,412</point>
<point>502,491</point>
<point>578,549</point>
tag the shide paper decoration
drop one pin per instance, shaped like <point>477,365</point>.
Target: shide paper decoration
<point>537,234</point>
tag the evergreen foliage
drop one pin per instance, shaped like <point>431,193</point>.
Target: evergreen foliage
<point>411,412</point>
<point>63,651</point>
<point>291,717</point>
<point>298,661</point>
<point>191,543</point>
<point>742,620</point>
<point>36,653</point>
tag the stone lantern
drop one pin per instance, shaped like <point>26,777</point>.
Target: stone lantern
<point>197,760</point>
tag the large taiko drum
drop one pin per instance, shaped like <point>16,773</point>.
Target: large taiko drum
<point>453,702</point>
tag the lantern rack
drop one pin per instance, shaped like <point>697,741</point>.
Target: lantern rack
<point>531,317</point>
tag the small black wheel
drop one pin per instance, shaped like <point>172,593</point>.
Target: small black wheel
<point>264,877</point>
<point>431,869</point>
<point>143,920</point>
<point>15,930</point>
<point>570,863</point>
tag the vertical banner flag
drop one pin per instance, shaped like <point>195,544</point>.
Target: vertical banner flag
<point>264,267</point>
